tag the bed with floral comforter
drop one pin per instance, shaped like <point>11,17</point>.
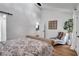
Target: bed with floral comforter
<point>25,47</point>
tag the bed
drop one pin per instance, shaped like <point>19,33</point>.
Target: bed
<point>25,47</point>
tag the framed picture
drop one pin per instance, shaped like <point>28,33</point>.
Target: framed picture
<point>52,24</point>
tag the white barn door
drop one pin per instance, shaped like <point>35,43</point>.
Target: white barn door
<point>2,27</point>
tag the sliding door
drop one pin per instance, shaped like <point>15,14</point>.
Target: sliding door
<point>2,27</point>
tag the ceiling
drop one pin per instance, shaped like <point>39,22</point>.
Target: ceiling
<point>69,6</point>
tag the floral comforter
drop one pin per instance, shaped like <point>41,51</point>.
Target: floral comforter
<point>25,47</point>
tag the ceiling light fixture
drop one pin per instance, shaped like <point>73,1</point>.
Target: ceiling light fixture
<point>39,4</point>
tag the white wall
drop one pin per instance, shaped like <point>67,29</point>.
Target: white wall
<point>25,15</point>
<point>60,16</point>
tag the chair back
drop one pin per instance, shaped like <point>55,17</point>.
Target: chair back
<point>60,35</point>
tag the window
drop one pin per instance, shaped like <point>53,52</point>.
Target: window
<point>52,24</point>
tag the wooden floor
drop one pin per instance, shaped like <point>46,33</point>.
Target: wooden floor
<point>63,50</point>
